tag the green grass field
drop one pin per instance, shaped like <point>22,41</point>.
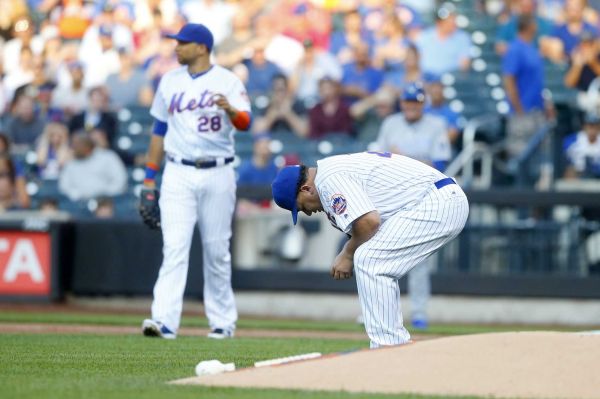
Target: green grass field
<point>132,366</point>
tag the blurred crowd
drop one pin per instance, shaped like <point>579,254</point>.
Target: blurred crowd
<point>369,72</point>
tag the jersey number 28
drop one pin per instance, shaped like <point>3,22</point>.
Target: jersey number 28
<point>209,124</point>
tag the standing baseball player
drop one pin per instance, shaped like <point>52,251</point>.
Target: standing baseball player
<point>397,212</point>
<point>197,109</point>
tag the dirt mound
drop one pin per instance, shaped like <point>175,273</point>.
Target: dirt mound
<point>524,365</point>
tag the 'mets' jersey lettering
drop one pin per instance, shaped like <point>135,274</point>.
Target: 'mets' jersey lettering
<point>197,127</point>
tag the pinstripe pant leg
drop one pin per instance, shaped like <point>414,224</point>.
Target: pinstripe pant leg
<point>216,206</point>
<point>178,217</point>
<point>379,297</point>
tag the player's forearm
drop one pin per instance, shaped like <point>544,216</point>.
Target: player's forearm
<point>572,76</point>
<point>155,156</point>
<point>363,229</point>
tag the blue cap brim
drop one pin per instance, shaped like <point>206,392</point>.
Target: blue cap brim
<point>176,37</point>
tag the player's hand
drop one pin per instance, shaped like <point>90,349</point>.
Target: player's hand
<point>342,266</point>
<point>221,102</point>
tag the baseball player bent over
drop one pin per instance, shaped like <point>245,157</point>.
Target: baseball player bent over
<point>397,211</point>
<point>197,109</point>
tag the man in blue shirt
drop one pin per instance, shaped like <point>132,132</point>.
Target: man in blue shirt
<point>507,32</point>
<point>523,72</point>
<point>570,32</point>
<point>359,78</point>
<point>444,47</point>
<point>260,72</point>
<point>260,169</point>
<point>438,106</point>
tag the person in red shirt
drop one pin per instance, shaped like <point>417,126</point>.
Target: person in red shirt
<point>331,114</point>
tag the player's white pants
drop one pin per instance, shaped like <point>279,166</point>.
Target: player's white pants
<point>206,197</point>
<point>403,241</point>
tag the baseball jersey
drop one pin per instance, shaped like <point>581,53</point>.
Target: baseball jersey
<point>197,127</point>
<point>352,185</point>
<point>425,139</point>
<point>581,150</point>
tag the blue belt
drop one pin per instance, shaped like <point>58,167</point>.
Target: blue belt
<point>444,182</point>
<point>200,163</point>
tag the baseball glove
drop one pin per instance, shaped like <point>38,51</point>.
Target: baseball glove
<point>149,209</point>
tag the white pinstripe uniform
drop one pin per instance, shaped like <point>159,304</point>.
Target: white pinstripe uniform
<point>417,218</point>
<point>197,129</point>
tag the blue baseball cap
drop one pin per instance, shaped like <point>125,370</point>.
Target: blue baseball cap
<point>413,91</point>
<point>284,189</point>
<point>195,33</point>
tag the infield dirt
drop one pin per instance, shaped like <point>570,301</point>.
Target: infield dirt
<point>504,365</point>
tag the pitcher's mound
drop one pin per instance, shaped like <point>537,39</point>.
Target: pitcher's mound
<point>523,365</point>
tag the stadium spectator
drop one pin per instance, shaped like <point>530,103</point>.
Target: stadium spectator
<point>261,168</point>
<point>20,76</point>
<point>414,133</point>
<point>568,34</point>
<point>314,65</point>
<point>304,20</point>
<point>353,33</point>
<point>237,46</point>
<point>523,72</point>
<point>260,72</point>
<point>584,67</point>
<point>371,111</point>
<point>129,86</point>
<point>109,24</point>
<point>360,78</point>
<point>331,114</point>
<point>582,150</point>
<point>102,60</point>
<point>24,126</point>
<point>71,96</point>
<point>284,113</point>
<point>52,54</point>
<point>41,87</point>
<point>20,181</point>
<point>8,193</point>
<point>444,47</point>
<point>258,170</point>
<point>410,72</point>
<point>438,106</point>
<point>96,116</point>
<point>507,32</point>
<point>23,36</point>
<point>390,48</point>
<point>93,172</point>
<point>53,150</point>
<point>423,137</point>
<point>373,14</point>
<point>162,62</point>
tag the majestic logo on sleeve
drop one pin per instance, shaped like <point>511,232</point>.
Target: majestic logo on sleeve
<point>338,204</point>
